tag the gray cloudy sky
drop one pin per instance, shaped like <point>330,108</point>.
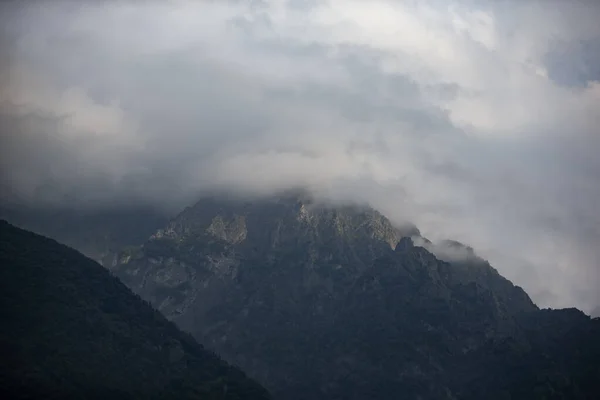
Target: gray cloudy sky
<point>478,121</point>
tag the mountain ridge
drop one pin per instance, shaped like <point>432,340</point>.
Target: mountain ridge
<point>322,300</point>
<point>298,293</point>
<point>71,330</point>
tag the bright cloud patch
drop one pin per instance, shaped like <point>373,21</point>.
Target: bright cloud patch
<point>475,120</point>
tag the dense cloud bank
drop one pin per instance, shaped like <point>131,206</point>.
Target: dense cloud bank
<point>475,120</point>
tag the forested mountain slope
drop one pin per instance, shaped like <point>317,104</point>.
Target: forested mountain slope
<point>70,330</point>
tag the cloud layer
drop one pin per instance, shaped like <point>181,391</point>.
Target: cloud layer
<point>475,120</point>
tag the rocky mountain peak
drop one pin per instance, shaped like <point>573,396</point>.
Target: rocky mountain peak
<point>404,244</point>
<point>294,215</point>
<point>323,300</point>
<point>290,285</point>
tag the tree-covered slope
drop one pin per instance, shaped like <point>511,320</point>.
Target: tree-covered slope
<point>71,330</point>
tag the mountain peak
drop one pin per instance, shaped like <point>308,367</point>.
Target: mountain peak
<point>404,244</point>
<point>289,217</point>
<point>321,300</point>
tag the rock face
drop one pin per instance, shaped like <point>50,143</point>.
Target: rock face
<point>318,302</point>
<point>71,331</point>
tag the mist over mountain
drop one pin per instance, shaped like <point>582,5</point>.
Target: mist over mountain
<point>474,120</point>
<point>347,199</point>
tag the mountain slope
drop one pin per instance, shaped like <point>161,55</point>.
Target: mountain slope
<point>553,354</point>
<point>336,303</point>
<point>70,330</point>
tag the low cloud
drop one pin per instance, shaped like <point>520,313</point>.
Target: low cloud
<point>475,120</point>
<point>448,250</point>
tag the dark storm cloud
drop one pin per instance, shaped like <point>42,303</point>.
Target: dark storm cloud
<point>456,116</point>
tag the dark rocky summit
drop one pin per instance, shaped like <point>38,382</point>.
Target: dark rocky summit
<point>320,302</point>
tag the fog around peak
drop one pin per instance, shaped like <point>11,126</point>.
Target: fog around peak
<point>475,120</point>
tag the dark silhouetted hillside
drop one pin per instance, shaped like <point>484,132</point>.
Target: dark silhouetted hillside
<point>72,331</point>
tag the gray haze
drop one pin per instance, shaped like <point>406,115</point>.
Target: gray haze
<point>478,121</point>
